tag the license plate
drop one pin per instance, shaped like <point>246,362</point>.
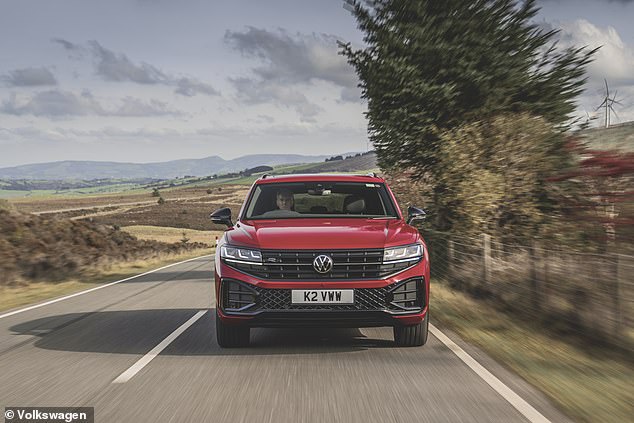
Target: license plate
<point>322,296</point>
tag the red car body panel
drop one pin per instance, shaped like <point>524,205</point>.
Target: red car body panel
<point>320,233</point>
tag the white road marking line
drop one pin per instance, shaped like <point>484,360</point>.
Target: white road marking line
<point>507,393</point>
<point>76,294</point>
<point>136,367</point>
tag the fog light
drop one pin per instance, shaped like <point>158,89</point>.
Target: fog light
<point>237,296</point>
<point>408,295</point>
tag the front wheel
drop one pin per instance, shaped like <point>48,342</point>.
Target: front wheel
<point>412,336</point>
<point>229,336</point>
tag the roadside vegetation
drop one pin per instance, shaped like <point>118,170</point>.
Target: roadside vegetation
<point>588,382</point>
<point>172,235</point>
<point>51,246</point>
<point>471,114</point>
<point>41,249</point>
<point>30,292</point>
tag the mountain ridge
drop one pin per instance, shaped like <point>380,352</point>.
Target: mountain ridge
<point>87,170</point>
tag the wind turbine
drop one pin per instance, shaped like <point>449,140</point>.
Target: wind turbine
<point>607,103</point>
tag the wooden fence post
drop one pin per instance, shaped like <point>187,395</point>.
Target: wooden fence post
<point>450,260</point>
<point>619,262</point>
<point>534,283</point>
<point>546,292</point>
<point>486,258</point>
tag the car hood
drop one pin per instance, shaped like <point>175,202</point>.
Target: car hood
<point>305,234</point>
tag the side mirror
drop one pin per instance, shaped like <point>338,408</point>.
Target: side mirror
<point>222,217</point>
<point>414,213</point>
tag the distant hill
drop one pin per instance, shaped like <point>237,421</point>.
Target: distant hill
<point>616,137</point>
<point>87,170</point>
<point>362,162</point>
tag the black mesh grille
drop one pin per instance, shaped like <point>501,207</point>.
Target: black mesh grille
<point>298,265</point>
<point>365,299</point>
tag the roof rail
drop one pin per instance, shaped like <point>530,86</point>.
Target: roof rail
<point>372,174</point>
<point>266,175</point>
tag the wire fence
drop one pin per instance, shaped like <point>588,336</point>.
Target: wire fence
<point>590,295</point>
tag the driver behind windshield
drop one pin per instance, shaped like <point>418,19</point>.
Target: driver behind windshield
<point>285,200</point>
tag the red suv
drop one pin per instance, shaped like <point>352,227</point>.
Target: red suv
<point>322,251</point>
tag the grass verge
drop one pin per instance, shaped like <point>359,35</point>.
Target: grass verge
<point>172,235</point>
<point>589,383</point>
<point>34,292</point>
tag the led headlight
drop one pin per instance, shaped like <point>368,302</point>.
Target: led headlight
<point>240,254</point>
<point>404,253</point>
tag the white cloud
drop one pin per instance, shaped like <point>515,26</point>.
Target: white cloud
<point>51,103</point>
<point>189,87</point>
<point>295,58</point>
<point>56,103</point>
<point>258,92</point>
<point>134,107</point>
<point>117,67</point>
<point>30,77</point>
<point>614,62</point>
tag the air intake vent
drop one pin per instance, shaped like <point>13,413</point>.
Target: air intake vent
<point>237,296</point>
<point>408,295</point>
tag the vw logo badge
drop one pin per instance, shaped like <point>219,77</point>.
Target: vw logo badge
<point>322,264</point>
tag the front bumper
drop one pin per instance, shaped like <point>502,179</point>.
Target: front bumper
<point>322,318</point>
<point>249,301</point>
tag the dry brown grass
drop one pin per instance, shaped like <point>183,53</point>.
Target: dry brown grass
<point>32,292</point>
<point>585,295</point>
<point>36,248</point>
<point>186,208</point>
<point>172,213</point>
<point>226,194</point>
<point>61,252</point>
<point>172,235</point>
<point>591,384</point>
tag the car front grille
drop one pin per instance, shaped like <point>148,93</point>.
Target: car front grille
<point>298,265</point>
<point>365,299</point>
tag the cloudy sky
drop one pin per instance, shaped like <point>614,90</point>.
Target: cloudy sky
<point>154,80</point>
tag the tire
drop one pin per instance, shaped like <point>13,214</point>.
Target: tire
<point>412,336</point>
<point>229,336</point>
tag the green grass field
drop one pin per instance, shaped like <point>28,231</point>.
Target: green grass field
<point>98,190</point>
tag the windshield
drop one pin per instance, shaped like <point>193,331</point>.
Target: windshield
<point>320,199</point>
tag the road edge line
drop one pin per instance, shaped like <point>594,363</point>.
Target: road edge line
<point>507,393</point>
<point>154,352</point>
<point>76,294</point>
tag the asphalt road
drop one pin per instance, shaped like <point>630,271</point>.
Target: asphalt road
<point>69,353</point>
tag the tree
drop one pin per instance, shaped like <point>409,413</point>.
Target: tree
<point>494,174</point>
<point>603,209</point>
<point>431,66</point>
